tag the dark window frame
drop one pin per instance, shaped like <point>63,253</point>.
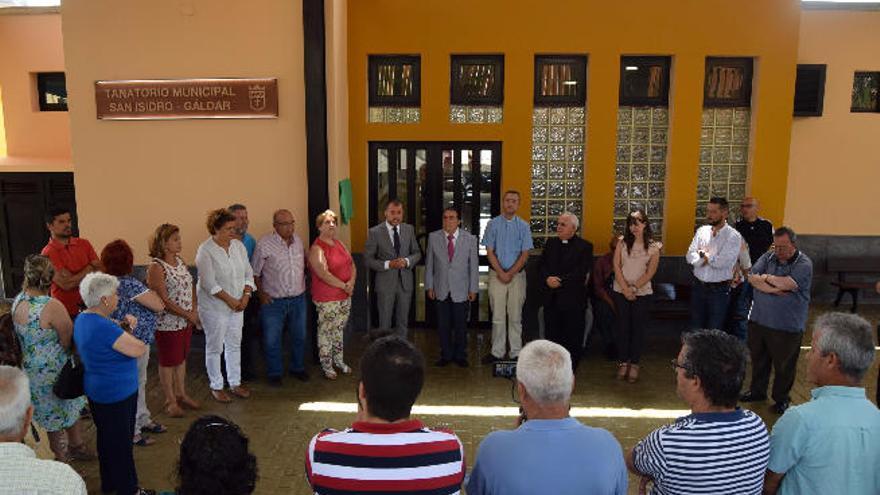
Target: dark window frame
<point>456,96</point>
<point>876,109</point>
<point>645,101</point>
<point>376,100</point>
<point>745,99</point>
<point>42,81</point>
<point>820,70</point>
<point>579,63</point>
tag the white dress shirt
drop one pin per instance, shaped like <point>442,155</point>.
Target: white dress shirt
<point>219,269</point>
<point>391,236</point>
<point>722,251</point>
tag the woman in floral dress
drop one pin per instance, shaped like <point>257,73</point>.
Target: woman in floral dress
<point>45,332</point>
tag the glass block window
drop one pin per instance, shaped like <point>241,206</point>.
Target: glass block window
<point>469,114</point>
<point>640,180</point>
<point>866,92</point>
<point>477,80</point>
<point>52,91</point>
<point>560,80</point>
<point>395,115</point>
<point>558,144</point>
<point>724,157</point>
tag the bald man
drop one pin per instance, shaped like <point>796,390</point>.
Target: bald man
<point>757,231</point>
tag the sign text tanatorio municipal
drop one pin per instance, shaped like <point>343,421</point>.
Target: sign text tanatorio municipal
<point>187,99</point>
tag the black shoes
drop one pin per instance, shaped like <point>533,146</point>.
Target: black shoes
<point>780,407</point>
<point>442,362</point>
<point>462,363</point>
<point>752,397</point>
<point>274,381</point>
<point>489,359</point>
<point>302,376</point>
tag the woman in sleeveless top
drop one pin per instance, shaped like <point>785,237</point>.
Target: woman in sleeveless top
<point>169,277</point>
<point>333,278</point>
<point>44,330</point>
<point>635,263</point>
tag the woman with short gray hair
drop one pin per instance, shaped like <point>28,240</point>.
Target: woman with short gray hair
<point>44,330</point>
<point>109,354</point>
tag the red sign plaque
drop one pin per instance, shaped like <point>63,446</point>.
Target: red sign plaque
<point>163,99</point>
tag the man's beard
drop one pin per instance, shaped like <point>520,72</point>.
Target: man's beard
<point>717,222</point>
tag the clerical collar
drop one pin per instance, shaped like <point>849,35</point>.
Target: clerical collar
<point>565,241</point>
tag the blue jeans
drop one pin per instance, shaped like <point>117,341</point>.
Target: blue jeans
<point>709,305</point>
<point>737,323</point>
<point>284,313</point>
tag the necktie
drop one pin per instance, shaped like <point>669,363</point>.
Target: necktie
<point>396,242</point>
<point>450,247</point>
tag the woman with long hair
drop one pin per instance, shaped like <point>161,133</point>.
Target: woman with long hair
<point>635,263</point>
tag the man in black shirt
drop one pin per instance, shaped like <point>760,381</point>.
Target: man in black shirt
<point>758,234</point>
<point>565,262</point>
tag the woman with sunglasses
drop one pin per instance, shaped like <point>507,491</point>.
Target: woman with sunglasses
<point>635,263</point>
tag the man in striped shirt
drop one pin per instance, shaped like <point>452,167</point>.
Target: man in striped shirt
<point>718,448</point>
<point>385,450</point>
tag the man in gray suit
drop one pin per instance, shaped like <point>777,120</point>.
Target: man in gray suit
<point>452,279</point>
<point>392,253</point>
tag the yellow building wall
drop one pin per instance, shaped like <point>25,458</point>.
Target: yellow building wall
<point>688,30</point>
<point>34,140</point>
<point>134,175</point>
<point>834,171</point>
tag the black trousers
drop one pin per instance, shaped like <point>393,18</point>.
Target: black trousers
<point>778,349</point>
<point>250,333</point>
<point>114,423</point>
<point>632,322</point>
<point>452,326</point>
<point>565,326</point>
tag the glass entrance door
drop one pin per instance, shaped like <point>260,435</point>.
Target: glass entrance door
<point>427,177</point>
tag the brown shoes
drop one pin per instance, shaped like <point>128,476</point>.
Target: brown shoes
<point>240,391</point>
<point>188,403</point>
<point>633,375</point>
<point>220,396</point>
<point>622,370</point>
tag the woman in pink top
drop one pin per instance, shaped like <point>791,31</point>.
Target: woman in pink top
<point>635,263</point>
<point>333,277</point>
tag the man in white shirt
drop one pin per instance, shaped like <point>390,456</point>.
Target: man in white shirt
<point>20,470</point>
<point>713,253</point>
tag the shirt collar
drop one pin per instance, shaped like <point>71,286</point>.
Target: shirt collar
<point>390,227</point>
<point>549,424</point>
<point>387,428</point>
<point>454,234</point>
<point>59,245</point>
<point>716,417</point>
<point>280,239</point>
<point>838,391</point>
<point>15,449</point>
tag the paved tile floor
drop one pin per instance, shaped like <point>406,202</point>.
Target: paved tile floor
<point>279,431</point>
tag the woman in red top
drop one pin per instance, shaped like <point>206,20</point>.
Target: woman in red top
<point>333,277</point>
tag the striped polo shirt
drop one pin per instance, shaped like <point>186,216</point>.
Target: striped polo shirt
<point>403,457</point>
<point>706,453</point>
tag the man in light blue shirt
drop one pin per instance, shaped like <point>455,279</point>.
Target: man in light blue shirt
<point>251,327</point>
<point>550,452</point>
<point>508,240</point>
<point>832,443</point>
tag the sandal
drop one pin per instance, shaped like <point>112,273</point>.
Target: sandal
<point>344,369</point>
<point>172,410</point>
<point>143,441</point>
<point>154,427</point>
<point>188,402</point>
<point>220,396</point>
<point>329,374</point>
<point>80,453</point>
<point>622,370</point>
<point>240,391</point>
<point>633,375</point>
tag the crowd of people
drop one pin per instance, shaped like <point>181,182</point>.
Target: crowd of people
<point>749,301</point>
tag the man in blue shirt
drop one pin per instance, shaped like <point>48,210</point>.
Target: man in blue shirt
<point>251,328</point>
<point>782,279</point>
<point>550,452</point>
<point>832,443</point>
<point>508,240</point>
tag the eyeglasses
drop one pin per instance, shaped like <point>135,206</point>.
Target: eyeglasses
<point>676,365</point>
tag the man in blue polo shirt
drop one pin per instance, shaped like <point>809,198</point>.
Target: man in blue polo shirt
<point>507,240</point>
<point>832,443</point>
<point>550,452</point>
<point>782,279</point>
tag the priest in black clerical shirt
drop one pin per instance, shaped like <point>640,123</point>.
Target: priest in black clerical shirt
<point>565,263</point>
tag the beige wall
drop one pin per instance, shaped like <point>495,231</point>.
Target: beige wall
<point>134,175</point>
<point>834,172</point>
<point>336,22</point>
<point>34,140</point>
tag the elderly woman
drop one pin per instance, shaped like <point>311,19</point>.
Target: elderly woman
<point>137,300</point>
<point>635,263</point>
<point>333,278</point>
<point>226,282</point>
<point>169,277</point>
<point>44,332</point>
<point>109,354</point>
<point>233,473</point>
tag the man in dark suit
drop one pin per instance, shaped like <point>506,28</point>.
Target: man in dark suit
<point>565,262</point>
<point>452,280</point>
<point>392,253</point>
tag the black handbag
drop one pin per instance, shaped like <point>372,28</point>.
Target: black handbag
<point>69,384</point>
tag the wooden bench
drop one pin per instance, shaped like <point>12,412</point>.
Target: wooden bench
<point>845,267</point>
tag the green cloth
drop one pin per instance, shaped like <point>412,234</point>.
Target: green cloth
<point>346,209</point>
